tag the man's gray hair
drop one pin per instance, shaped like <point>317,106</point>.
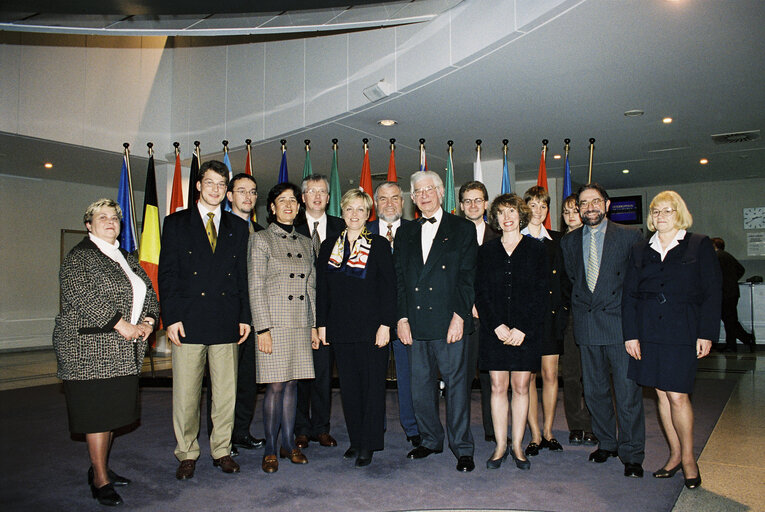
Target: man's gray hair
<point>313,177</point>
<point>388,184</point>
<point>421,175</point>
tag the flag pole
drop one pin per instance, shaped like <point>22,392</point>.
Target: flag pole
<point>566,146</point>
<point>150,145</point>
<point>247,143</point>
<point>130,184</point>
<point>544,149</point>
<point>392,144</point>
<point>592,152</point>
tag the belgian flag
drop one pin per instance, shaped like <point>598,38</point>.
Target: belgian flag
<point>150,235</point>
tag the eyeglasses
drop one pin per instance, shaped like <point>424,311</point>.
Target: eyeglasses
<point>597,203</point>
<point>214,184</point>
<point>243,192</point>
<point>477,202</point>
<point>419,192</point>
<point>664,212</point>
<point>317,192</point>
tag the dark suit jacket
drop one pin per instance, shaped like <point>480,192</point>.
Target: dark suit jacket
<point>334,226</point>
<point>732,271</point>
<point>206,291</point>
<point>674,301</point>
<point>598,315</point>
<point>559,290</point>
<point>374,227</point>
<point>429,294</point>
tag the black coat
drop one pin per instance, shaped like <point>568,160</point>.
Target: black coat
<point>334,226</point>
<point>732,271</point>
<point>352,308</point>
<point>559,291</point>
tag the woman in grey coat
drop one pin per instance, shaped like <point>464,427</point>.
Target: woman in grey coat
<point>108,310</point>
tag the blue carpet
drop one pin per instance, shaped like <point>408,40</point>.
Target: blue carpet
<point>42,468</point>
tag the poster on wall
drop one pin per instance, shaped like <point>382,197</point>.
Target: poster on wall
<point>755,244</point>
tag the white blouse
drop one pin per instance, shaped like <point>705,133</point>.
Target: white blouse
<point>138,285</point>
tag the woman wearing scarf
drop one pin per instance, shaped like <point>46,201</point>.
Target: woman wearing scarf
<point>355,309</point>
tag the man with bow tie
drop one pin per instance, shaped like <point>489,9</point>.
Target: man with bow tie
<point>435,266</point>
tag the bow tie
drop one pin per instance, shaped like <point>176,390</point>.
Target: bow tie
<point>423,220</point>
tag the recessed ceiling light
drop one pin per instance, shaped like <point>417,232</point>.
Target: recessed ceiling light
<point>387,122</point>
<point>636,112</point>
<point>48,165</point>
<point>557,157</point>
<point>625,171</point>
<point>703,161</point>
<point>667,120</point>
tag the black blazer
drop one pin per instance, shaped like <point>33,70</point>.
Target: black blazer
<point>334,226</point>
<point>559,290</point>
<point>352,308</point>
<point>732,271</point>
<point>206,291</point>
<point>674,301</point>
<point>429,294</point>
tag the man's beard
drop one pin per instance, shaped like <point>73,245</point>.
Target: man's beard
<point>593,222</point>
<point>389,220</point>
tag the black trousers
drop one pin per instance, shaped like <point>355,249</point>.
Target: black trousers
<point>314,395</point>
<point>361,368</point>
<point>577,415</point>
<point>733,329</point>
<point>483,379</point>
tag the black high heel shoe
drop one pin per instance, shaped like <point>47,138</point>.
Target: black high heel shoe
<point>115,479</point>
<point>520,464</point>
<point>496,463</point>
<point>693,483</point>
<point>106,495</point>
<point>667,473</point>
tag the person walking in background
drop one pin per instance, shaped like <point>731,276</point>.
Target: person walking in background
<point>670,312</point>
<point>732,272</point>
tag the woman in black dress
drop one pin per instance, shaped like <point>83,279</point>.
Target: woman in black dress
<point>355,309</point>
<point>670,315</point>
<point>510,284</point>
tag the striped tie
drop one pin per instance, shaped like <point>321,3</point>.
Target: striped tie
<point>212,235</point>
<point>315,240</point>
<point>593,265</point>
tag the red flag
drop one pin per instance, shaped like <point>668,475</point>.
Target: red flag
<point>176,198</point>
<point>248,162</point>
<point>365,182</point>
<point>392,165</point>
<point>542,181</point>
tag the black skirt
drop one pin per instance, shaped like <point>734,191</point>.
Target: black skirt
<point>101,405</point>
<point>665,367</point>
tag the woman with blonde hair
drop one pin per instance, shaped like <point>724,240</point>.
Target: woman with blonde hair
<point>670,315</point>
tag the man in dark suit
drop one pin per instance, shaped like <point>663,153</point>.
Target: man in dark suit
<point>474,199</point>
<point>389,204</point>
<point>314,395</point>
<point>732,271</point>
<point>435,267</point>
<point>205,306</point>
<point>596,258</point>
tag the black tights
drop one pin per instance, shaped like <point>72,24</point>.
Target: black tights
<point>279,405</point>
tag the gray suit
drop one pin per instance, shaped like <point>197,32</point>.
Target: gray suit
<point>598,331</point>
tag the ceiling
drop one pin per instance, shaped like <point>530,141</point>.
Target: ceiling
<point>700,62</point>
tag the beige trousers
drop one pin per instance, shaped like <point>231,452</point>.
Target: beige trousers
<point>188,370</point>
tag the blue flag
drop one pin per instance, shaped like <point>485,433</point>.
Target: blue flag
<point>226,202</point>
<point>283,169</point>
<point>567,180</point>
<point>127,232</point>
<point>506,188</point>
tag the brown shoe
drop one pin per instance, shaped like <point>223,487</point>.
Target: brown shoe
<point>326,440</point>
<point>301,441</point>
<point>270,464</point>
<point>186,469</point>
<point>295,456</point>
<point>226,464</point>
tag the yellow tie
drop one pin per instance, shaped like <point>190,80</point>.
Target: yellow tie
<point>212,235</point>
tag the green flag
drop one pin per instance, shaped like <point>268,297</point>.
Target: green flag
<point>334,186</point>
<point>449,204</point>
<point>307,171</point>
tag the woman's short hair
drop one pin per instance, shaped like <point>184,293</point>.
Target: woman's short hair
<point>101,203</point>
<point>538,193</point>
<point>275,192</point>
<point>683,220</point>
<point>571,201</point>
<point>509,200</point>
<point>356,193</point>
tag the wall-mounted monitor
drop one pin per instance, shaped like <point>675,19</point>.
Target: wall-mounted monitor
<point>626,210</point>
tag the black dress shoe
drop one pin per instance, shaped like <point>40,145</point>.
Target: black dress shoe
<point>364,458</point>
<point>248,442</point>
<point>633,469</point>
<point>600,455</point>
<point>532,449</point>
<point>416,440</point>
<point>552,444</point>
<point>589,439</point>
<point>115,479</point>
<point>465,464</point>
<point>421,452</point>
<point>520,464</point>
<point>576,437</point>
<point>350,453</point>
<point>106,495</point>
<point>667,473</point>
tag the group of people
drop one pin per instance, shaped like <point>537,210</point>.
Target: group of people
<point>454,297</point>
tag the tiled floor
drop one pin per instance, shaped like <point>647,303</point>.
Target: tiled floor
<point>731,463</point>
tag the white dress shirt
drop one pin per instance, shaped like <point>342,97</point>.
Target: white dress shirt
<point>383,227</point>
<point>655,243</point>
<point>322,227</point>
<point>542,233</point>
<point>429,230</point>
<point>216,219</point>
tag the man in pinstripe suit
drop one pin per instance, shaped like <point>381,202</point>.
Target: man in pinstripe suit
<point>596,259</point>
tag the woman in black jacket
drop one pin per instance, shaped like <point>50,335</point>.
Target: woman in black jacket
<point>355,309</point>
<point>670,315</point>
<point>510,285</point>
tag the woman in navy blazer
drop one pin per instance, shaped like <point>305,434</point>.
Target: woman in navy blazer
<point>355,309</point>
<point>670,315</point>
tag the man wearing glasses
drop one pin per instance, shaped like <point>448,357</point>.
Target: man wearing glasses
<point>205,306</point>
<point>313,396</point>
<point>435,261</point>
<point>596,259</point>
